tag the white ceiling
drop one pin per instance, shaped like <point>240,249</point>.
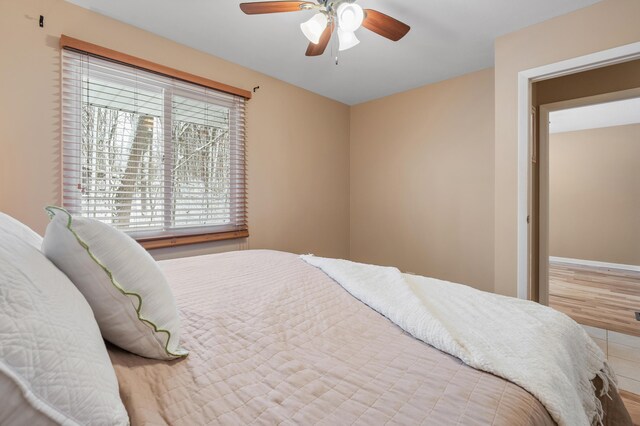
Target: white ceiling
<point>447,38</point>
<point>618,113</point>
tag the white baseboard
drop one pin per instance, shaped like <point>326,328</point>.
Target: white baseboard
<point>594,263</point>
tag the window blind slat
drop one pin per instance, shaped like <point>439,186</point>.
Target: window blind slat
<point>149,154</point>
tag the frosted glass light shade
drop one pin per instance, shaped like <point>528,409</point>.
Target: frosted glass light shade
<point>350,17</point>
<point>313,28</point>
<point>346,40</point>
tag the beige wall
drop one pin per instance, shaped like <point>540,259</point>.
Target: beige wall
<point>605,25</point>
<point>298,165</point>
<point>418,174</point>
<point>594,194</point>
<point>422,180</point>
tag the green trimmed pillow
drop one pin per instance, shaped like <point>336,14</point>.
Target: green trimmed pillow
<point>130,297</point>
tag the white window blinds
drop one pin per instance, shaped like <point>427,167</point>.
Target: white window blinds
<point>150,154</point>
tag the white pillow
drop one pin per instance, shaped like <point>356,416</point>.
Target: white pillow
<point>54,367</point>
<point>128,293</point>
<point>14,227</point>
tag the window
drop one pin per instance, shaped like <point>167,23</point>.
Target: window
<point>152,155</point>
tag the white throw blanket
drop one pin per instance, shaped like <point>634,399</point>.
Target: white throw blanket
<point>531,345</point>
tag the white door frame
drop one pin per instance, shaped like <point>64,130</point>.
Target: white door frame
<point>525,79</point>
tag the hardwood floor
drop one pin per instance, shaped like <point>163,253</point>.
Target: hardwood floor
<point>632,402</point>
<point>599,297</point>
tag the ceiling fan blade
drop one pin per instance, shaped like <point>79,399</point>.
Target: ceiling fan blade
<point>318,49</point>
<point>271,7</point>
<point>384,25</point>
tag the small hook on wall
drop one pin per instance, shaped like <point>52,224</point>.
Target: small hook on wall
<point>41,21</point>
<point>255,89</point>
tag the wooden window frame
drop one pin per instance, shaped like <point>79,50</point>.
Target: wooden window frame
<point>151,243</point>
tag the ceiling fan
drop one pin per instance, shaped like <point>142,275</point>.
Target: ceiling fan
<point>343,14</point>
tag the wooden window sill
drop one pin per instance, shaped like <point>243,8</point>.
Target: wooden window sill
<point>162,242</point>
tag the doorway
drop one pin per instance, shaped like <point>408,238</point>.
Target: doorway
<point>589,216</point>
<point>588,66</point>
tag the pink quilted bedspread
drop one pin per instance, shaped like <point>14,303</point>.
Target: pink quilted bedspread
<point>273,340</point>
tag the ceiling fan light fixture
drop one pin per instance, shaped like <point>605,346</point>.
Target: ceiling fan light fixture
<point>350,17</point>
<point>313,28</point>
<point>346,40</point>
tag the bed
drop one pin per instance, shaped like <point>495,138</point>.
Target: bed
<point>273,340</point>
